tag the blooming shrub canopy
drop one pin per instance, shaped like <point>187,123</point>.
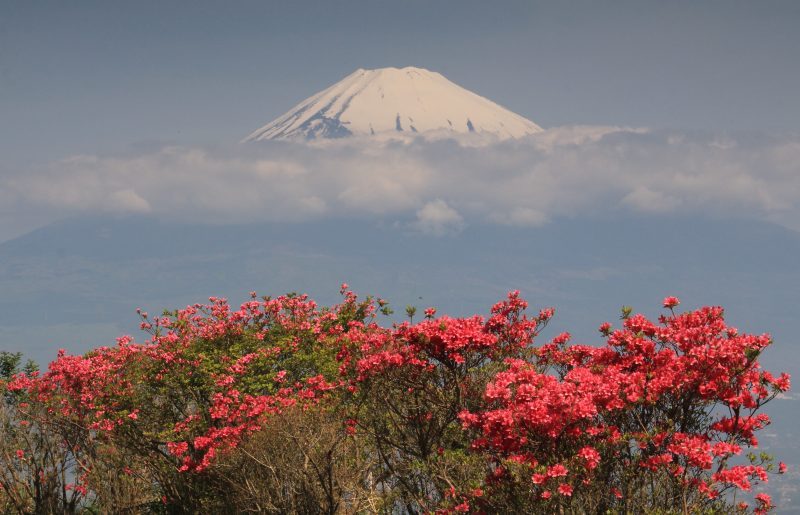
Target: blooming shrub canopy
<point>446,414</point>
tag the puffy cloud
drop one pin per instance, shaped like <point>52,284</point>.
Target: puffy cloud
<point>438,218</point>
<point>435,185</point>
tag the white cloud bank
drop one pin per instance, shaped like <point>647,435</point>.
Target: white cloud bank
<point>434,186</point>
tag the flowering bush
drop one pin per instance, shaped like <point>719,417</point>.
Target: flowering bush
<point>654,416</point>
<point>282,406</point>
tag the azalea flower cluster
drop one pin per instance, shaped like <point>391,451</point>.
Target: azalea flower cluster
<point>677,398</point>
<point>636,399</point>
<point>206,378</point>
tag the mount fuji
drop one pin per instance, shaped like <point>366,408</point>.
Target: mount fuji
<point>391,101</point>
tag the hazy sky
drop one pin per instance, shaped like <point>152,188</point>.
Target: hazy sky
<point>89,77</point>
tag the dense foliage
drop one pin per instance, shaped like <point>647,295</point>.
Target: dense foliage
<point>285,407</point>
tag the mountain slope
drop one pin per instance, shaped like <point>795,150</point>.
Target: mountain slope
<point>391,100</point>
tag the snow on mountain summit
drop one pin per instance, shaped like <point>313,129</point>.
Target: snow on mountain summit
<point>392,100</point>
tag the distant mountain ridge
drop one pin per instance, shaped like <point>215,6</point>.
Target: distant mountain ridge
<point>394,100</point>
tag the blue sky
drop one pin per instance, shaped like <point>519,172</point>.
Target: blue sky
<point>87,77</point>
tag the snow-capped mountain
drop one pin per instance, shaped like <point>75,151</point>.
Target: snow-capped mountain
<point>392,100</point>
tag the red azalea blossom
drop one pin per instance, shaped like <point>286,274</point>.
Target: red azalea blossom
<point>671,302</point>
<point>764,503</point>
